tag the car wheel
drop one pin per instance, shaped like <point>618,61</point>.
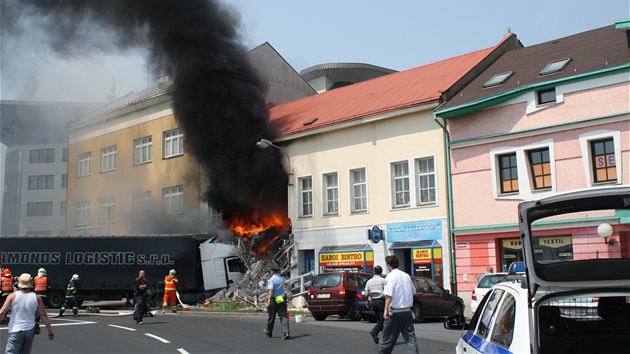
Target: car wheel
<point>354,314</point>
<point>417,313</point>
<point>458,309</point>
<point>319,316</point>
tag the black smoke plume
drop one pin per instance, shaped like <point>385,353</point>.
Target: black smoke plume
<point>217,97</point>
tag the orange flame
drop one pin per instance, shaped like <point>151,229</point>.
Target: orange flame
<point>247,230</point>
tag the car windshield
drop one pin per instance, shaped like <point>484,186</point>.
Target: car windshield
<point>488,281</point>
<point>327,280</point>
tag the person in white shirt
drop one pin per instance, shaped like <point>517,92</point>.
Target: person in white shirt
<point>24,305</point>
<point>376,300</point>
<point>399,290</point>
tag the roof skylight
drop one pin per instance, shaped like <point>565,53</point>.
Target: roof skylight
<point>498,79</point>
<point>555,66</point>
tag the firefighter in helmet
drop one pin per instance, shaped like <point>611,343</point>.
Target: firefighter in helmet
<point>7,284</point>
<point>71,297</point>
<point>170,291</point>
<point>40,284</point>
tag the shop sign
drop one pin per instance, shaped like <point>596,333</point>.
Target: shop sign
<point>415,231</point>
<point>422,256</point>
<point>551,242</point>
<point>345,259</point>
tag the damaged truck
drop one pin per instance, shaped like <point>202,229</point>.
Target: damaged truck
<point>108,265</point>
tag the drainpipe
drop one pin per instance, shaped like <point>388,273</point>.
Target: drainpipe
<point>449,191</point>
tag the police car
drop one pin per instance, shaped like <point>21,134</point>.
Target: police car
<point>571,299</point>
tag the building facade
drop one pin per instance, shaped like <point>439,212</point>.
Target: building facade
<point>525,129</point>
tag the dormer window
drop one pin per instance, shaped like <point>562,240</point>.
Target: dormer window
<point>554,67</point>
<point>498,79</point>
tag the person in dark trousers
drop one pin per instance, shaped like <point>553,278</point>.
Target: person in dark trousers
<point>71,297</point>
<point>376,300</point>
<point>399,290</point>
<point>24,305</point>
<point>276,303</point>
<point>140,297</point>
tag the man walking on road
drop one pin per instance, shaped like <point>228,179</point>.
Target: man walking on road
<point>399,290</point>
<point>140,297</point>
<point>276,303</point>
<point>376,300</point>
<point>24,304</point>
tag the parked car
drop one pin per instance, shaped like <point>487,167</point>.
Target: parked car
<point>484,284</point>
<point>432,300</point>
<point>551,309</point>
<point>333,293</point>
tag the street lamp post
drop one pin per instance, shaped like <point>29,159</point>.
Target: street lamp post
<point>263,144</point>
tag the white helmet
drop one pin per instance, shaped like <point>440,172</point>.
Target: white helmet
<point>41,271</point>
<point>172,272</point>
<point>75,277</point>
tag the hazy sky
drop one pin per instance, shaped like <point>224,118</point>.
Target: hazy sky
<point>394,34</point>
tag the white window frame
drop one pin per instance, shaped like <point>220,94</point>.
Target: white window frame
<point>84,164</point>
<point>141,204</point>
<point>108,158</point>
<point>108,209</point>
<point>305,196</point>
<point>143,150</point>
<point>420,176</point>
<point>82,213</point>
<point>525,179</point>
<point>173,143</point>
<point>362,199</point>
<point>404,191</point>
<point>173,199</point>
<point>330,195</point>
<point>585,148</point>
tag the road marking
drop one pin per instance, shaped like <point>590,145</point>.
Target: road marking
<point>125,328</point>
<point>156,337</point>
<point>55,324</point>
<point>181,350</point>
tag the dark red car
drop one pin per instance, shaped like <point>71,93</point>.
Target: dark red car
<point>333,293</point>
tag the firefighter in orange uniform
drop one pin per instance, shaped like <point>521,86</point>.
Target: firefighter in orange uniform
<point>7,284</point>
<point>40,284</point>
<point>170,291</point>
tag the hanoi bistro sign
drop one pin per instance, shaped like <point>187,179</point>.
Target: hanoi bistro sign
<point>415,231</point>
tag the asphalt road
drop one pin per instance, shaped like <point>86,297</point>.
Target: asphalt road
<point>190,332</point>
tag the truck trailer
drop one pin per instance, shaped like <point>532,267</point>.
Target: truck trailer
<point>108,265</point>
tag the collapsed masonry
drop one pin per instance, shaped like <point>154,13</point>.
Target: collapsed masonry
<point>252,289</point>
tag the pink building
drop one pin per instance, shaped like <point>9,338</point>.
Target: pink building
<point>543,119</point>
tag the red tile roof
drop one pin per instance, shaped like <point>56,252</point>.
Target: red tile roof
<point>409,88</point>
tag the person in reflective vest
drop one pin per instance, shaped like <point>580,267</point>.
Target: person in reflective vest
<point>7,284</point>
<point>40,284</point>
<point>170,291</point>
<point>71,297</point>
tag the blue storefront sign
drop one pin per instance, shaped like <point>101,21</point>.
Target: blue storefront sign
<point>415,231</point>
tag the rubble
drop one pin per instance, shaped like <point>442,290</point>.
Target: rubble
<point>252,289</point>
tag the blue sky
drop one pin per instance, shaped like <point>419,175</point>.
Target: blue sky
<point>396,34</point>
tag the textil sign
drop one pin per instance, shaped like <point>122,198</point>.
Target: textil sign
<point>415,231</point>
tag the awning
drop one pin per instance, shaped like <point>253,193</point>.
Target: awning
<point>414,244</point>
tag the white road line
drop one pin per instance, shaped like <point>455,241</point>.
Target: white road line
<point>156,337</point>
<point>121,327</point>
<point>56,324</point>
<point>181,350</point>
